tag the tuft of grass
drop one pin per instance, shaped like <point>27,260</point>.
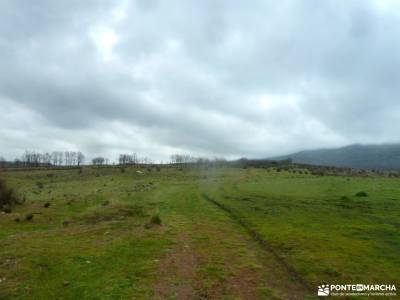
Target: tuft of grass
<point>105,203</point>
<point>156,220</point>
<point>29,217</point>
<point>361,194</point>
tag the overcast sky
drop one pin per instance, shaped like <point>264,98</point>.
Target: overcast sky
<point>210,77</point>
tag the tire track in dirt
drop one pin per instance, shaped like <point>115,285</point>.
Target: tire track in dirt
<point>262,242</point>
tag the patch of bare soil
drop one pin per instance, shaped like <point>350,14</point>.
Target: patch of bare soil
<point>178,272</point>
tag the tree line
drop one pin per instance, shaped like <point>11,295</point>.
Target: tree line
<point>55,158</point>
<point>77,158</point>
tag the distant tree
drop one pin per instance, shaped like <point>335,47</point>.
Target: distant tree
<point>128,159</point>
<point>80,158</point>
<point>98,161</point>
<point>57,158</point>
<point>2,162</point>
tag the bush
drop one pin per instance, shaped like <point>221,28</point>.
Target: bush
<point>156,220</point>
<point>361,194</point>
<point>29,217</point>
<point>7,209</point>
<point>105,203</point>
<point>122,170</point>
<point>7,197</point>
<point>40,185</point>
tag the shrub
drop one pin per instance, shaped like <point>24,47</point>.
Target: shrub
<point>105,203</point>
<point>7,209</point>
<point>46,205</point>
<point>155,220</point>
<point>362,194</point>
<point>39,184</point>
<point>29,217</point>
<point>122,170</point>
<point>7,196</point>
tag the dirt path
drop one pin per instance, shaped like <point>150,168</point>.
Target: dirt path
<point>215,258</point>
<point>261,241</point>
<point>179,264</point>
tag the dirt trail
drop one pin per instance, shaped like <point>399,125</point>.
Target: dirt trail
<point>215,258</point>
<point>259,239</point>
<point>178,271</point>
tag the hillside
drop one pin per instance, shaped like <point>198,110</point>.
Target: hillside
<point>385,156</point>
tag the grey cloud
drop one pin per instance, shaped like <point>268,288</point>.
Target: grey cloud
<point>206,77</point>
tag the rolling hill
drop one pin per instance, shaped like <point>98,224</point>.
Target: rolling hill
<point>384,157</point>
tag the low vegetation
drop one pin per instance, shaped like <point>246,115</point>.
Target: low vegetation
<point>8,197</point>
<point>194,233</point>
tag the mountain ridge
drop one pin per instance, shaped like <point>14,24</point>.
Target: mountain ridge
<point>360,156</point>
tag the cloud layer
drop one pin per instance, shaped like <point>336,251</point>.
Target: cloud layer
<point>225,78</point>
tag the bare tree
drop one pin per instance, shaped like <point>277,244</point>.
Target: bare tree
<point>128,159</point>
<point>98,161</point>
<point>80,158</point>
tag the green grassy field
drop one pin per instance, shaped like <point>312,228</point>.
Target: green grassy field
<point>224,234</point>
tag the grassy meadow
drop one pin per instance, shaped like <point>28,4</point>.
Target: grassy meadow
<point>225,233</point>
